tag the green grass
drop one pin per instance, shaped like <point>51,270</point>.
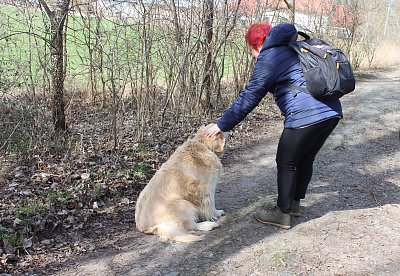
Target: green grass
<point>57,199</point>
<point>27,209</point>
<point>115,46</point>
<point>15,239</point>
<point>21,51</point>
<point>140,170</point>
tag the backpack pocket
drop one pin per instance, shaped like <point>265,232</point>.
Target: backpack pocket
<point>347,80</point>
<point>316,82</point>
<point>346,76</point>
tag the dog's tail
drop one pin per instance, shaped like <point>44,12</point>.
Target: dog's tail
<point>171,233</point>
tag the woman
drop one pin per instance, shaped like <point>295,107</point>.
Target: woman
<point>308,121</point>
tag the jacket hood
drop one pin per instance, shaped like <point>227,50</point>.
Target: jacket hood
<point>280,35</point>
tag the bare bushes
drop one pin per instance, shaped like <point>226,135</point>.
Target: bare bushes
<point>159,64</point>
<point>387,54</point>
<point>147,65</point>
<point>21,126</point>
<point>165,62</point>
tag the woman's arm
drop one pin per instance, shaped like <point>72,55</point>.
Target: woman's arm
<point>261,81</point>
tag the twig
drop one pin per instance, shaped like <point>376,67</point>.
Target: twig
<point>9,137</point>
<point>27,33</point>
<point>376,200</point>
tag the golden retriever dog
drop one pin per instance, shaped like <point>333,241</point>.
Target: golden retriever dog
<point>180,196</point>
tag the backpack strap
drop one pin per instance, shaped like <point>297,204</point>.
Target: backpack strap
<point>303,34</point>
<point>296,88</point>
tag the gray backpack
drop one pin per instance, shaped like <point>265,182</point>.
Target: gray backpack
<point>326,69</point>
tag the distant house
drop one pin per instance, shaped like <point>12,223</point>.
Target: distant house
<point>134,9</point>
<point>310,15</point>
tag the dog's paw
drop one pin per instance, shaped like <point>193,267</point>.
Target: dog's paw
<point>219,213</point>
<point>206,225</point>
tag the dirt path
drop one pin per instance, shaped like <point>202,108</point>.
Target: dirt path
<point>350,223</point>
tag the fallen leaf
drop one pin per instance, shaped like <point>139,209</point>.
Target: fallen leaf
<point>27,242</point>
<point>8,248</point>
<point>124,201</point>
<point>85,176</point>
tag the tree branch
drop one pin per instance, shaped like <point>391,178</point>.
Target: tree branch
<point>28,33</point>
<point>47,10</point>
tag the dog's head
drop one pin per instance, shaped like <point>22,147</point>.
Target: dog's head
<point>215,143</point>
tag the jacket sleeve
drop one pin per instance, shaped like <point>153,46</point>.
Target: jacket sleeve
<point>261,81</point>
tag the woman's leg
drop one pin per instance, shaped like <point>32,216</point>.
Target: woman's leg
<point>304,167</point>
<point>295,156</point>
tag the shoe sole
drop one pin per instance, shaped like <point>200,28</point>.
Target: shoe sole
<point>275,224</point>
<point>296,214</point>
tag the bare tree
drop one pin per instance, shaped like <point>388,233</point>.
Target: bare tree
<point>291,4</point>
<point>159,63</point>
<point>57,18</point>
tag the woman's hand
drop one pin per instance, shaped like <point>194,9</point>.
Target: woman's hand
<point>212,131</point>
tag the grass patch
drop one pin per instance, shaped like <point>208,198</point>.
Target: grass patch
<point>140,170</point>
<point>58,199</point>
<point>28,209</point>
<point>25,50</point>
<point>15,239</point>
<point>112,47</point>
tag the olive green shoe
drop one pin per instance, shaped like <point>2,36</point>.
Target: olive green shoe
<point>295,209</point>
<point>274,217</point>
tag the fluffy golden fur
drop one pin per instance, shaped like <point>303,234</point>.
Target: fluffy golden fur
<point>180,196</point>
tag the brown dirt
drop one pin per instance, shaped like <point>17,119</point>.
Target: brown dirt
<point>350,222</point>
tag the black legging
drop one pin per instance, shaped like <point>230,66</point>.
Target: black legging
<point>297,149</point>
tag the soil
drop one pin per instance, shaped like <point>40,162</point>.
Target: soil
<point>350,217</point>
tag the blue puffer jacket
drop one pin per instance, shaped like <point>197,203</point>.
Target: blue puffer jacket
<point>275,65</point>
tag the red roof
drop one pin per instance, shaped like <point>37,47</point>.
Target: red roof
<point>250,6</point>
<point>339,15</point>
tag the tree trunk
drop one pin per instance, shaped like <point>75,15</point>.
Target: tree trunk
<point>57,81</point>
<point>57,21</point>
<point>177,26</point>
<point>208,64</point>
